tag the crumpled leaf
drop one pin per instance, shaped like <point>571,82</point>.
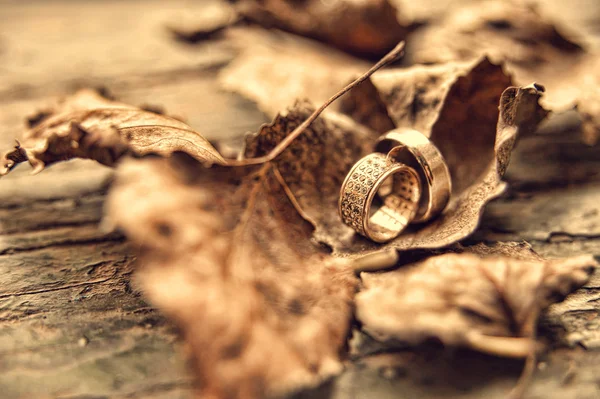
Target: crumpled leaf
<point>87,125</point>
<point>274,70</point>
<point>532,47</point>
<point>416,97</point>
<point>456,106</point>
<point>264,308</point>
<point>364,27</point>
<point>486,298</point>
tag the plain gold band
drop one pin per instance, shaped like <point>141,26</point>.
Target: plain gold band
<point>396,185</point>
<point>412,148</point>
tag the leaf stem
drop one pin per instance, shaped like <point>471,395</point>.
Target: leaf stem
<point>275,152</point>
<point>290,194</point>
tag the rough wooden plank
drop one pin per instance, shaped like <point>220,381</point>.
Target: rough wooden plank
<point>543,215</point>
<point>553,158</point>
<point>71,323</point>
<point>69,212</point>
<point>436,373</point>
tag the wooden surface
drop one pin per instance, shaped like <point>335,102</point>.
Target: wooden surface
<point>73,325</point>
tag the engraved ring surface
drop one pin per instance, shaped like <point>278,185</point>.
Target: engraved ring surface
<point>415,150</point>
<point>394,187</point>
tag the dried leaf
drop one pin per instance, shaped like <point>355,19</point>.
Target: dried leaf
<point>487,298</point>
<point>456,105</point>
<point>228,255</point>
<point>87,125</point>
<point>274,70</point>
<point>365,27</point>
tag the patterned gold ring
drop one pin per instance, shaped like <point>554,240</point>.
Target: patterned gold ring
<point>379,197</point>
<point>412,148</point>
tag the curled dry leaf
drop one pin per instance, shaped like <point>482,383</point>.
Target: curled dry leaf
<point>228,255</point>
<point>456,106</point>
<point>417,97</point>
<point>274,70</point>
<point>88,125</point>
<point>486,298</point>
<point>364,27</point>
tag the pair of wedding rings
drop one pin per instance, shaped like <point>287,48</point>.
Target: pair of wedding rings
<point>406,180</point>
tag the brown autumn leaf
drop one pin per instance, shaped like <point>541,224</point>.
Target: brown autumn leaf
<point>264,309</point>
<point>276,69</point>
<point>486,298</point>
<point>456,106</point>
<point>416,97</point>
<point>533,48</point>
<point>364,27</point>
<point>87,125</point>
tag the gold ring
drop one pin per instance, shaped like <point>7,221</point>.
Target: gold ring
<point>394,187</point>
<point>412,148</point>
